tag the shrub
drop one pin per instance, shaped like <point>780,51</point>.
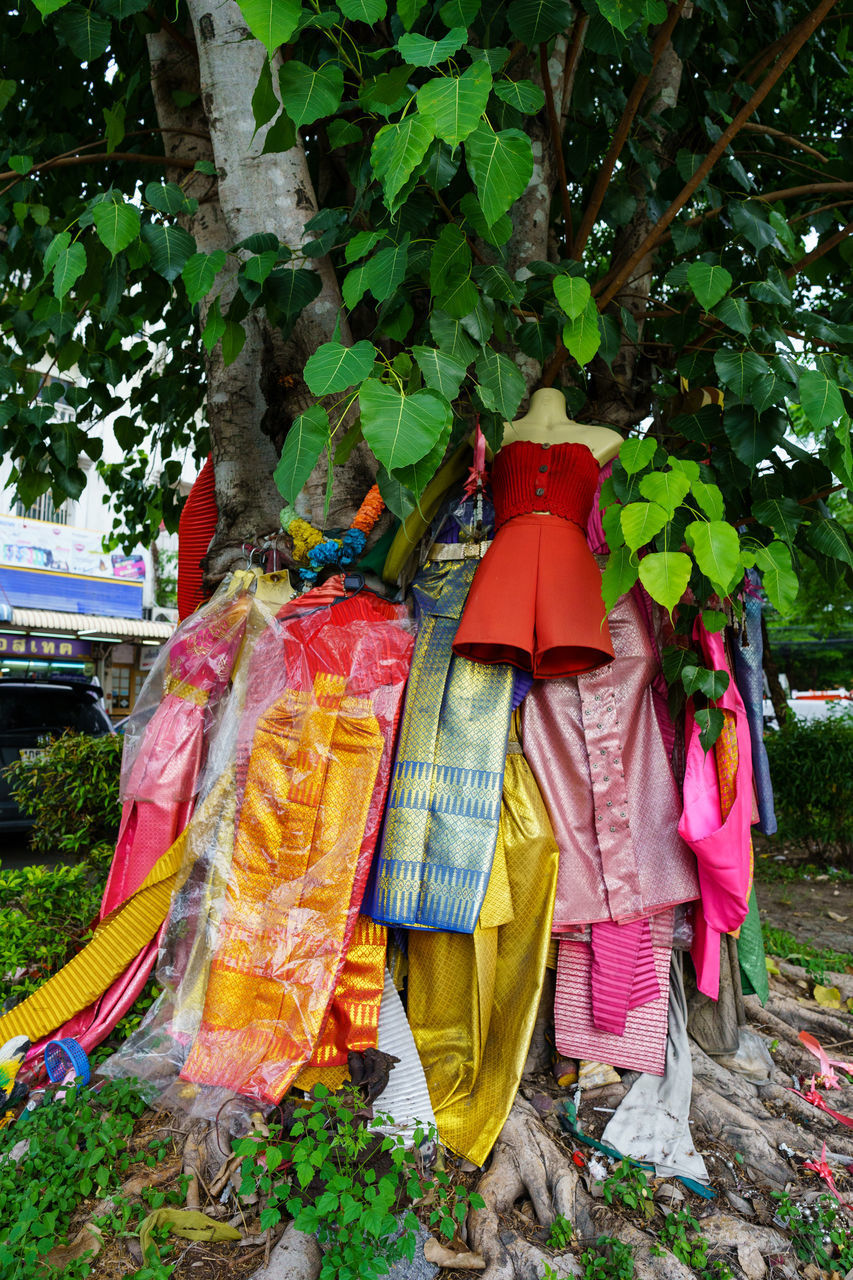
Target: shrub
<point>72,792</point>
<point>811,764</point>
<point>45,912</point>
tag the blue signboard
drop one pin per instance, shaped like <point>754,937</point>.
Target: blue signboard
<point>70,592</point>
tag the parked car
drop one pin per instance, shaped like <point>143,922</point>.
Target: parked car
<point>31,713</point>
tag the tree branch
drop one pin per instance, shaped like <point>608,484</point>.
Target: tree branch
<point>137,157</point>
<point>799,37</point>
<point>573,55</point>
<point>819,250</point>
<point>620,137</point>
<point>811,188</point>
<point>557,145</point>
<point>752,126</point>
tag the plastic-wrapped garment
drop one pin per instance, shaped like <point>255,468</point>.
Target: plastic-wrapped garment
<point>442,821</point>
<point>313,763</point>
<point>749,674</point>
<point>594,745</point>
<point>473,998</point>
<point>165,738</point>
<point>168,733</point>
<point>716,821</point>
<point>642,1047</point>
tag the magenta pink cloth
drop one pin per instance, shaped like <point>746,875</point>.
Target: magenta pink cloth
<point>642,1047</point>
<point>722,848</point>
<point>623,972</point>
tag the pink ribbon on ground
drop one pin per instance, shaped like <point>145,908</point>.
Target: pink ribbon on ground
<point>817,1101</point>
<point>829,1078</point>
<point>823,1171</point>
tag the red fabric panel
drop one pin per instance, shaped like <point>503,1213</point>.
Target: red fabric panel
<point>196,528</point>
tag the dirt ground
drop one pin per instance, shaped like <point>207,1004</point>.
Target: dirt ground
<point>817,910</point>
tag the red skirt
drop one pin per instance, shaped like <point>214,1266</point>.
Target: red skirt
<point>535,601</point>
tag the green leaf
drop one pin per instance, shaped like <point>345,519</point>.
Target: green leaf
<point>582,337</point>
<point>170,247</point>
<point>753,436</point>
<point>205,166</point>
<point>386,270</point>
<point>116,224</point>
<point>496,233</point>
<point>621,14</point>
<point>524,95</point>
<point>665,575</point>
<point>272,22</point>
<point>709,283</point>
<point>573,294</point>
<point>214,326</point>
<point>334,367</point>
<point>451,338</point>
<point>778,577</point>
<point>502,387</point>
<point>750,221</point>
<point>362,243</point>
<point>710,721</point>
<point>735,314</point>
<point>400,502</point>
<point>85,32</point>
<point>280,136</point>
<point>640,522</point>
<point>264,101</point>
<point>416,477</point>
<point>291,291</point>
<point>459,13</point>
<point>303,444</point>
<point>69,266</point>
<point>536,21</point>
<point>114,127</point>
<point>450,264</point>
<point>408,10</point>
<point>709,498</point>
<point>21,164</point>
<point>620,574</point>
<point>667,488</point>
<point>233,341</point>
<point>636,454</point>
<point>820,399</point>
<point>830,538</point>
<point>167,197</point>
<point>419,51</point>
<point>400,428</point>
<point>452,105</point>
<point>47,7</point>
<point>501,165</point>
<point>716,546</point>
<point>739,370</point>
<point>341,133</point>
<point>442,372</point>
<point>257,268</point>
<point>387,92</point>
<point>310,95</point>
<point>768,390</point>
<point>782,515</point>
<point>397,151</point>
<point>497,283</point>
<point>368,11</point>
<point>355,285</point>
<point>7,92</point>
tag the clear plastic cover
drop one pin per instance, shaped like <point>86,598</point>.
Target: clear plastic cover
<point>266,964</point>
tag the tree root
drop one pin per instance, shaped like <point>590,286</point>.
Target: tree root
<point>741,1131</point>
<point>807,1017</point>
<point>297,1256</point>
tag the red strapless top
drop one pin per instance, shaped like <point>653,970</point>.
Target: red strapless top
<point>558,478</point>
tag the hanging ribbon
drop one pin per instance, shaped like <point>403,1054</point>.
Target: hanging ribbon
<point>823,1171</point>
<point>829,1079</point>
<point>816,1100</point>
<point>477,472</point>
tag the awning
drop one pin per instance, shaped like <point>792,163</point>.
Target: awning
<point>88,626</point>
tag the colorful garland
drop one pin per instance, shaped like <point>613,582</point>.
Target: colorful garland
<point>311,545</point>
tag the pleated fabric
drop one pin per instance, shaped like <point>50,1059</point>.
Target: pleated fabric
<point>444,804</point>
<point>473,998</point>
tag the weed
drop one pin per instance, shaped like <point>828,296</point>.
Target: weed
<point>628,1185</point>
<point>76,1148</point>
<point>348,1184</point>
<point>608,1259</point>
<point>560,1235</point>
<point>820,1234</point>
<point>815,960</point>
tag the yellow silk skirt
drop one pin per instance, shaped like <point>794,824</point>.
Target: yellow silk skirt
<point>473,997</point>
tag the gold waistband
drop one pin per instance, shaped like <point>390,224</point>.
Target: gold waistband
<point>458,550</point>
<point>184,689</point>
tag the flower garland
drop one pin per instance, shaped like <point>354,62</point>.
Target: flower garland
<point>312,545</point>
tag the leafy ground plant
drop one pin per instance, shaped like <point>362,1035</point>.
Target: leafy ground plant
<point>337,1177</point>
<point>76,1148</point>
<point>820,1233</point>
<point>560,1235</point>
<point>816,960</point>
<point>629,1186</point>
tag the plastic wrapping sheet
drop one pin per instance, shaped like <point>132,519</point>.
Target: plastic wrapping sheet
<point>261,932</point>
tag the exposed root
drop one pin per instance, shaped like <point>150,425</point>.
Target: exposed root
<point>297,1256</point>
<point>809,1017</point>
<point>659,1264</point>
<point>734,1126</point>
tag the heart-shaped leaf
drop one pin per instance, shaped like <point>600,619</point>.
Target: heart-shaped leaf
<point>308,95</point>
<point>582,336</point>
<point>501,165</point>
<point>778,577</point>
<point>502,387</point>
<point>641,521</point>
<point>397,151</point>
<point>400,428</point>
<point>712,684</point>
<point>716,546</point>
<point>420,51</point>
<point>667,488</point>
<point>69,266</point>
<point>334,367</point>
<point>523,95</point>
<point>272,22</point>
<point>665,575</point>
<point>820,399</point>
<point>740,370</point>
<point>709,283</point>
<point>536,21</point>
<point>452,105</point>
<point>636,454</point>
<point>200,271</point>
<point>710,721</point>
<point>303,444</point>
<point>116,224</point>
<point>442,372</point>
<point>573,294</point>
<point>170,248</point>
<point>620,574</point>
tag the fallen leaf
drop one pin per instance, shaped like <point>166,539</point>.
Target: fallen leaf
<point>828,997</point>
<point>441,1256</point>
<point>833,915</point>
<point>771,965</point>
<point>87,1240</point>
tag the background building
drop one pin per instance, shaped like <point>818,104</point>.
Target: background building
<point>67,606</point>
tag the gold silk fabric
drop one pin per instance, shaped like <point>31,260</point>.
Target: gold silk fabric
<point>311,774</point>
<point>473,997</point>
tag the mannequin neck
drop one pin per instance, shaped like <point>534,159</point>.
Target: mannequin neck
<point>547,410</point>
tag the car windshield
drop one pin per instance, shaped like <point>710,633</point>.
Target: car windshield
<point>48,710</point>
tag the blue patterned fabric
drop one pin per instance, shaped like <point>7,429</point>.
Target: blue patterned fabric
<point>749,678</point>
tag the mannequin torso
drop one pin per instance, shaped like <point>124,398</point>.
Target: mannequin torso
<point>546,422</point>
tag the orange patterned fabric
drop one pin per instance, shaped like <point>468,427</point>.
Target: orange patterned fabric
<point>726,756</point>
<point>315,783</point>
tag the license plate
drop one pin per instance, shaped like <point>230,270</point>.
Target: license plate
<point>31,753</point>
